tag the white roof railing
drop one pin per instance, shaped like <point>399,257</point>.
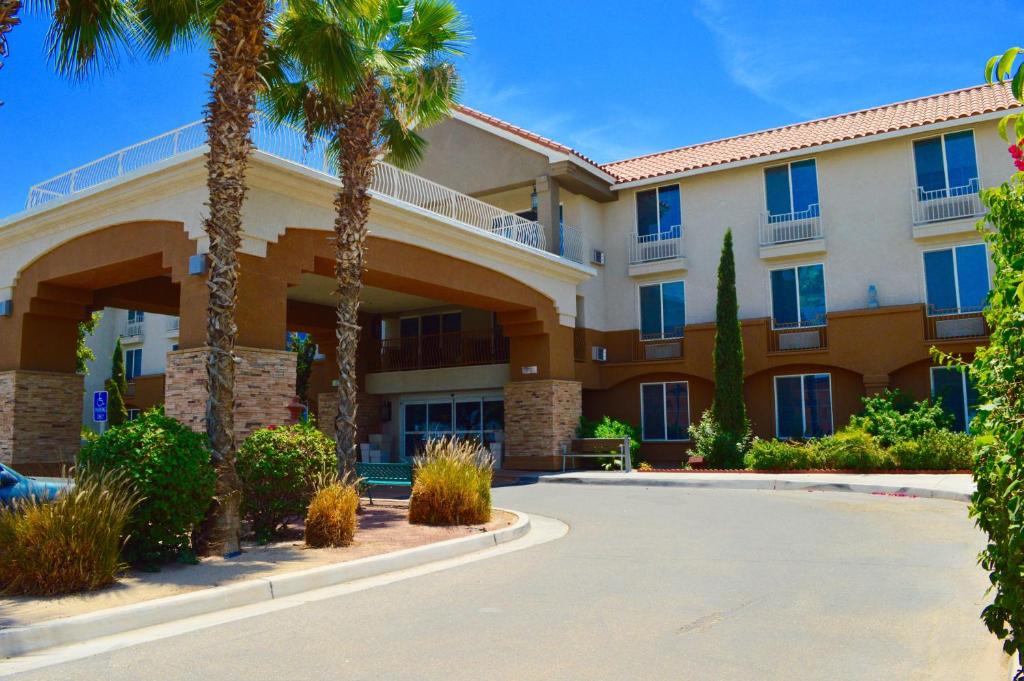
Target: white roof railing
<point>289,144</point>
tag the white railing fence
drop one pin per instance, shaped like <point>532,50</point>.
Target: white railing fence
<point>661,246</point>
<point>132,329</point>
<point>289,144</point>
<point>780,228</point>
<point>947,204</point>
<point>173,324</point>
<point>573,245</point>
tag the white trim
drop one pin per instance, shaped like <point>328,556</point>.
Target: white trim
<point>661,294</point>
<point>771,295</point>
<point>817,149</point>
<point>664,410</point>
<point>803,403</point>
<point>956,276</point>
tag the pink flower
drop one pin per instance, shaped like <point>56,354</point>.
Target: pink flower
<point>271,427</point>
<point>1016,151</point>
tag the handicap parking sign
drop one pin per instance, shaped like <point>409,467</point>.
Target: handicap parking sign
<point>99,406</point>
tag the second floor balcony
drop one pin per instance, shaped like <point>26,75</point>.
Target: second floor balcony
<point>660,246</point>
<point>133,328</point>
<point>436,351</point>
<point>782,228</point>
<point>955,324</point>
<point>947,203</point>
<point>795,337</point>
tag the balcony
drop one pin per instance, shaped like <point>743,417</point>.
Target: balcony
<point>946,212</point>
<point>654,347</point>
<point>783,235</point>
<point>173,326</point>
<point>796,337</point>
<point>654,253</point>
<point>132,329</point>
<point>456,349</point>
<point>955,325</point>
<point>572,245</point>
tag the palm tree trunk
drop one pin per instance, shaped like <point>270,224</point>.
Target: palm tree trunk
<point>239,41</point>
<point>8,20</point>
<point>356,142</point>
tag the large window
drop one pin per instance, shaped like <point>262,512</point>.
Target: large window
<point>957,393</point>
<point>803,406</point>
<point>659,212</point>
<point>798,296</point>
<point>956,279</point>
<point>791,191</point>
<point>479,418</point>
<point>662,310</point>
<point>946,165</point>
<point>665,409</point>
<point>132,364</point>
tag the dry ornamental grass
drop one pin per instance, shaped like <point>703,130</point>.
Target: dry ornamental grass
<point>451,484</point>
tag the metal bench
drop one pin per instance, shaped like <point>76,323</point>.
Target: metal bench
<point>394,474</point>
<point>599,448</point>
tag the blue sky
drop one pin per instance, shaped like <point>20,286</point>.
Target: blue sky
<point>610,78</point>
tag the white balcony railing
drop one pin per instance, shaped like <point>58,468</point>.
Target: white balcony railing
<point>947,204</point>
<point>573,245</point>
<point>780,228</point>
<point>289,144</point>
<point>132,328</point>
<point>173,324</point>
<point>664,245</point>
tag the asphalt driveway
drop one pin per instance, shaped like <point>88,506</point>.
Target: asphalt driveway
<point>648,584</point>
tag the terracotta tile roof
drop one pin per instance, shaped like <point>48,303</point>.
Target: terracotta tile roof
<point>947,106</point>
<point>526,134</point>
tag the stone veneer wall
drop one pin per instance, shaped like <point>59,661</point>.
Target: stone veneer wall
<point>264,387</point>
<point>367,414</point>
<point>40,420</point>
<point>540,417</point>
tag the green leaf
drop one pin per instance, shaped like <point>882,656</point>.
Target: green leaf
<point>1006,62</point>
<point>990,68</point>
<point>1018,84</point>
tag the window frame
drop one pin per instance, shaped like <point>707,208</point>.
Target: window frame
<point>664,403</point>
<point>771,296</point>
<point>639,310</point>
<point>660,234</point>
<point>945,164</point>
<point>963,388</point>
<point>956,276</point>
<point>452,399</point>
<point>789,176</point>
<point>127,374</point>
<point>803,403</point>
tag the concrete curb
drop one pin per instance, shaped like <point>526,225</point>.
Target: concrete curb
<point>759,482</point>
<point>21,640</point>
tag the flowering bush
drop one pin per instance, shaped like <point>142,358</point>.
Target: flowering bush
<point>1018,156</point>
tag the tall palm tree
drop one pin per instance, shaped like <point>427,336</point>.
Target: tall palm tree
<point>85,32</point>
<point>401,80</point>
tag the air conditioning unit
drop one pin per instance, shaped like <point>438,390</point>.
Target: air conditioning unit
<point>597,257</point>
<point>599,353</point>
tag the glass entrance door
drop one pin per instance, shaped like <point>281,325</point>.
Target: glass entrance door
<point>470,417</point>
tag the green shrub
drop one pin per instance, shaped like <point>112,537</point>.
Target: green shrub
<point>451,484</point>
<point>169,465</point>
<point>331,518</point>
<point>768,455</point>
<point>852,449</point>
<point>70,544</point>
<point>893,417</point>
<point>610,428</point>
<point>936,450</point>
<point>278,467</point>
<point>719,449</point>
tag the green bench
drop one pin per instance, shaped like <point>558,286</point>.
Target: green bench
<point>373,474</point>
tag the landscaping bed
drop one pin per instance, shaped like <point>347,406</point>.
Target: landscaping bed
<point>816,471</point>
<point>383,528</point>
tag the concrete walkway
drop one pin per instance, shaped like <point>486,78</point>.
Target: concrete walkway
<point>952,486</point>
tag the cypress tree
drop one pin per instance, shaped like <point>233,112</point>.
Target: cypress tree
<point>117,412</point>
<point>728,408</point>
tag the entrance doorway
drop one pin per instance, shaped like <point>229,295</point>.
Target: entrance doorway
<point>467,416</point>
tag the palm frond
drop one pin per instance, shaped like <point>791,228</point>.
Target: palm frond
<point>169,23</point>
<point>319,39</point>
<point>436,27</point>
<point>88,34</point>
<point>404,147</point>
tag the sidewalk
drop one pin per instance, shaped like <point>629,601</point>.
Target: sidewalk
<point>952,486</point>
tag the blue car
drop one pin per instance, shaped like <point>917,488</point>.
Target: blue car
<point>15,486</point>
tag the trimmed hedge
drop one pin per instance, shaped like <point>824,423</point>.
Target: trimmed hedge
<point>849,449</point>
<point>767,455</point>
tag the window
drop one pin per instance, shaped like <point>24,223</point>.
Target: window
<point>803,406</point>
<point>133,414</point>
<point>798,296</point>
<point>659,212</point>
<point>946,166</point>
<point>132,364</point>
<point>135,316</point>
<point>662,310</point>
<point>174,347</point>
<point>476,418</point>
<point>665,410</point>
<point>958,395</point>
<point>791,191</point>
<point>956,279</point>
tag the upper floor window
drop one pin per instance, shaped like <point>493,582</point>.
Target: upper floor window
<point>430,324</point>
<point>956,279</point>
<point>135,316</point>
<point>946,165</point>
<point>665,410</point>
<point>132,364</point>
<point>803,406</point>
<point>662,310</point>
<point>659,211</point>
<point>798,296</point>
<point>958,394</point>
<point>791,191</point>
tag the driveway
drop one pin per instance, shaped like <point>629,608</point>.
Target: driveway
<point>648,584</point>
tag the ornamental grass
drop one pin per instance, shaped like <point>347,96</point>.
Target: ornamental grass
<point>451,484</point>
<point>331,519</point>
<point>70,544</point>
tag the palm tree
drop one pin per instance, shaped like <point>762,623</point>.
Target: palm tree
<point>400,79</point>
<point>85,32</point>
<point>8,20</point>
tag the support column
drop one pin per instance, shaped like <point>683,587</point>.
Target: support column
<point>40,420</point>
<point>548,211</point>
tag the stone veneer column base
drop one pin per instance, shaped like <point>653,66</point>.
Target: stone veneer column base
<point>40,420</point>
<point>264,387</point>
<point>540,418</point>
<point>367,414</point>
